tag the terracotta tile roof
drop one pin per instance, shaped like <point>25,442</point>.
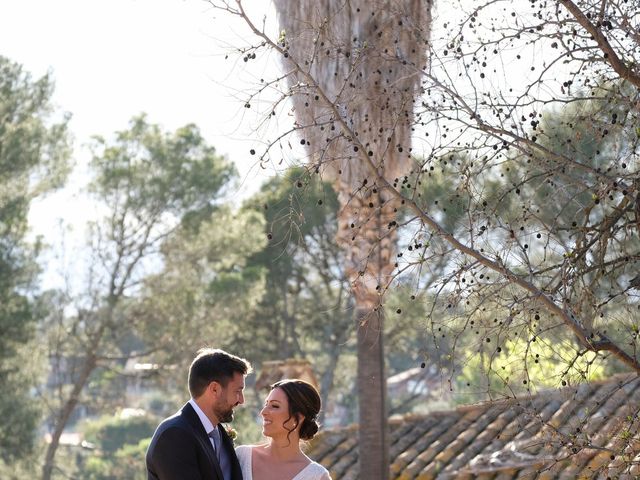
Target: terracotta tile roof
<point>587,431</point>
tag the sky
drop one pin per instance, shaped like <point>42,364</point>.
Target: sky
<point>113,59</point>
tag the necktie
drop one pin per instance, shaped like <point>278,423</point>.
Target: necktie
<point>221,454</point>
<point>215,435</point>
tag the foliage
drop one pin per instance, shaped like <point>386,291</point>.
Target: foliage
<point>302,312</point>
<point>159,195</point>
<point>526,120</point>
<point>298,216</point>
<point>34,155</point>
<point>566,133</point>
<point>205,287</point>
<point>118,447</point>
<point>19,469</point>
<point>125,462</point>
<point>110,433</point>
<point>150,173</point>
<point>525,367</point>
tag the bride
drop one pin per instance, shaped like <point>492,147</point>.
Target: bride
<point>288,417</point>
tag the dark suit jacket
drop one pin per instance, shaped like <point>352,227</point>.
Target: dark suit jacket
<point>181,450</point>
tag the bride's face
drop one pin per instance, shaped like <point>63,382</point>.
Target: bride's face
<point>276,420</point>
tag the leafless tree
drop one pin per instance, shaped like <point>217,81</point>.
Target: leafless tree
<point>530,110</point>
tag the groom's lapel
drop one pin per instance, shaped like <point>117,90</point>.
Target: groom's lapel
<point>226,439</point>
<point>231,452</point>
<point>203,438</point>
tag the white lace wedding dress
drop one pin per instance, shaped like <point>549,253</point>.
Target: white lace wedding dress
<point>313,471</point>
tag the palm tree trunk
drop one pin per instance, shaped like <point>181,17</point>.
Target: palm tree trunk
<point>356,66</point>
<point>372,414</point>
<point>364,230</point>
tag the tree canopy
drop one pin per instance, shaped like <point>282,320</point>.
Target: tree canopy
<point>150,266</point>
<point>34,155</point>
<point>524,188</point>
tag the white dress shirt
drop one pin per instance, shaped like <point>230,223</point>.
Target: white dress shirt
<point>206,423</point>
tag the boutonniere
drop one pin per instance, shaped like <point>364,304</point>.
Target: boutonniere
<point>233,434</point>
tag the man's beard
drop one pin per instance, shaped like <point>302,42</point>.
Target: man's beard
<point>225,415</point>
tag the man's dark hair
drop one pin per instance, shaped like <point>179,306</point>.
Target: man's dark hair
<point>214,365</point>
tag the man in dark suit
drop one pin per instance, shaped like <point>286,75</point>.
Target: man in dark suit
<point>192,445</point>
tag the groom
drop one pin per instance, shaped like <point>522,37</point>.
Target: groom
<point>192,445</point>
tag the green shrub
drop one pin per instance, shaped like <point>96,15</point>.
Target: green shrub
<point>110,434</point>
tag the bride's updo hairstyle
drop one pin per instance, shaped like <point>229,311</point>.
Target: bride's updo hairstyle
<point>303,400</point>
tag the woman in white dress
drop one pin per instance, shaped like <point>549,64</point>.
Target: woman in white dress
<point>289,416</point>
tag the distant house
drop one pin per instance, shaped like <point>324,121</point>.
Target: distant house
<point>138,377</point>
<point>587,431</point>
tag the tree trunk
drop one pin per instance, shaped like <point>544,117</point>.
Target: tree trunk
<point>355,68</point>
<point>63,417</point>
<point>327,380</point>
<point>364,231</point>
<point>372,389</point>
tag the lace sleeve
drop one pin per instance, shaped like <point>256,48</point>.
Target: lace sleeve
<point>243,453</point>
<point>314,471</point>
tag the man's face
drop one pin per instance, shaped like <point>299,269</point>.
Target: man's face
<point>229,397</point>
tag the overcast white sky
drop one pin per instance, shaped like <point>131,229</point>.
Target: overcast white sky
<point>113,59</point>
